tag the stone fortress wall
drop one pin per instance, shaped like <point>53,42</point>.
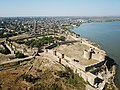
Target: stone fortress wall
<point>81,70</point>
<point>93,53</point>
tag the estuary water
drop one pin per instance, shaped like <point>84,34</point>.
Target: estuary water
<point>107,35</point>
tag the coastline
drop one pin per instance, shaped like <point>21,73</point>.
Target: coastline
<point>99,47</point>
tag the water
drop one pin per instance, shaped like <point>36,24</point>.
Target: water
<point>107,35</point>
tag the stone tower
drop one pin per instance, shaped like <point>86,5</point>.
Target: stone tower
<point>88,54</point>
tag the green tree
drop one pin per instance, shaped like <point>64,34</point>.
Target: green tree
<point>19,54</point>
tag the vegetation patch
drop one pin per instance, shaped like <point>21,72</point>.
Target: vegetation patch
<point>4,51</point>
<point>72,78</point>
<point>30,78</point>
<point>19,54</point>
<point>42,41</point>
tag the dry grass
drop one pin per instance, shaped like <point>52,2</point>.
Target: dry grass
<point>3,58</point>
<point>10,79</point>
<point>87,62</point>
<point>76,51</point>
<point>41,68</point>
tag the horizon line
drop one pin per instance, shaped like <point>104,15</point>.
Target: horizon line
<point>57,16</point>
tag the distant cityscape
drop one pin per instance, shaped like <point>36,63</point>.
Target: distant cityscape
<point>38,25</point>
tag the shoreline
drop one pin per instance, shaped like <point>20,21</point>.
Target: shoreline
<point>90,42</point>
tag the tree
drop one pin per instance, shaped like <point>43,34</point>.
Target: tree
<point>62,38</point>
<point>19,54</point>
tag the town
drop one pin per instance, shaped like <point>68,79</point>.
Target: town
<point>41,53</point>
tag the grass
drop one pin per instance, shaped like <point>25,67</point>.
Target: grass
<point>30,78</point>
<point>58,81</point>
<point>71,78</point>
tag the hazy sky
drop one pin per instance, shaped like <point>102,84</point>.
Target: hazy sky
<point>59,8</point>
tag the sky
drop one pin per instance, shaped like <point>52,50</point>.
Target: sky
<point>12,8</point>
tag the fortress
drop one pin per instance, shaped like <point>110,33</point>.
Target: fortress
<point>91,67</point>
<point>86,60</point>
